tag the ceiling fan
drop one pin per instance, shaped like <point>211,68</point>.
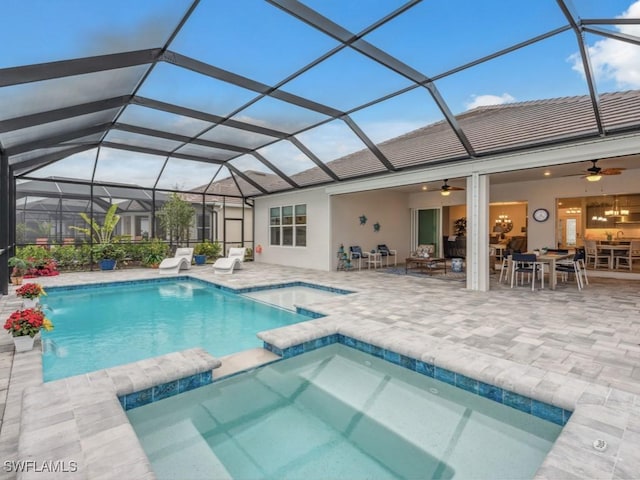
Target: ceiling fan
<point>595,173</point>
<point>446,189</point>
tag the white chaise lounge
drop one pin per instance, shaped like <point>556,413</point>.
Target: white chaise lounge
<point>180,261</point>
<point>226,265</point>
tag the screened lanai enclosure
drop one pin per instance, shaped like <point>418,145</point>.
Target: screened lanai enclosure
<point>120,102</point>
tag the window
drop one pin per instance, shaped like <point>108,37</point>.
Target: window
<point>206,233</point>
<point>288,226</point>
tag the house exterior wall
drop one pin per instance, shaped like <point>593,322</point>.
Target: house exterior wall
<point>334,210</point>
<point>317,253</point>
<point>387,208</point>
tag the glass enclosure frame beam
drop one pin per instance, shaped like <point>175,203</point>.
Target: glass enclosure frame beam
<point>6,248</point>
<point>159,153</point>
<point>346,37</point>
<point>623,37</point>
<point>77,66</point>
<point>56,140</point>
<point>248,84</point>
<point>314,158</point>
<point>125,127</point>
<point>574,20</point>
<point>370,145</point>
<point>27,166</point>
<point>207,117</point>
<point>233,169</point>
<point>275,169</point>
<point>65,113</point>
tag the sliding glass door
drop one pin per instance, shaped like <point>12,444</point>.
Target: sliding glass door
<point>426,228</point>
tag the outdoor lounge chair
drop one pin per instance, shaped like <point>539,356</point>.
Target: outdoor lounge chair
<point>180,261</point>
<point>226,265</point>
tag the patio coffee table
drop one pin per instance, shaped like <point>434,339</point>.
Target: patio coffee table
<point>425,264</point>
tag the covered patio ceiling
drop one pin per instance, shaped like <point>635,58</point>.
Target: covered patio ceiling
<point>276,95</point>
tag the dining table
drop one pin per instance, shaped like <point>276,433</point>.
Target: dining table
<point>551,258</point>
<point>612,249</point>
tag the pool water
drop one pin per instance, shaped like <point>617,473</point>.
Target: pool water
<point>338,413</point>
<point>105,326</point>
<point>290,297</point>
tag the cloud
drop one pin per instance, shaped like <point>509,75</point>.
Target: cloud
<point>614,60</point>
<point>484,100</point>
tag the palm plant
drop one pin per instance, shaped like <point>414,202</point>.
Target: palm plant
<point>100,233</point>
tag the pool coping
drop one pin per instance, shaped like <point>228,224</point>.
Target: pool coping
<point>79,423</point>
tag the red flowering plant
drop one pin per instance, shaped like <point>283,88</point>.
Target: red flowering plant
<point>27,322</point>
<point>46,267</point>
<point>30,290</point>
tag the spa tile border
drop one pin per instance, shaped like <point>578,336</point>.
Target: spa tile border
<point>165,390</point>
<point>539,409</point>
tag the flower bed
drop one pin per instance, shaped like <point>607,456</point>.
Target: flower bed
<point>48,268</point>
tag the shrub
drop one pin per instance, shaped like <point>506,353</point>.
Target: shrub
<point>211,250</point>
<point>65,255</point>
<point>154,252</point>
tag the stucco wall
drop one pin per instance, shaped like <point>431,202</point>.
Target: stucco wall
<point>389,209</point>
<point>317,252</point>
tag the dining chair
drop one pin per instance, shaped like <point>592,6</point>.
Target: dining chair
<point>526,263</point>
<point>582,265</point>
<point>594,253</point>
<point>572,266</point>
<point>630,256</point>
<point>504,269</point>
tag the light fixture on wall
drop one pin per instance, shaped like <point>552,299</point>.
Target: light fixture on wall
<point>504,222</point>
<point>503,218</point>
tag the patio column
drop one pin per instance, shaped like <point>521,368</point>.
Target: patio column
<point>478,232</point>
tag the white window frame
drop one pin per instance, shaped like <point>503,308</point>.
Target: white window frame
<point>278,227</point>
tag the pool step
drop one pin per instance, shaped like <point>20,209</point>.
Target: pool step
<point>179,450</point>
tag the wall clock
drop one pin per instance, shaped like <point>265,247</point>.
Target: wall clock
<point>541,215</point>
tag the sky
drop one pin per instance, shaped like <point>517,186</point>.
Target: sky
<point>263,43</point>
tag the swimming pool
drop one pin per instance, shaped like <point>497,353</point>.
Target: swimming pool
<point>103,326</point>
<point>338,413</point>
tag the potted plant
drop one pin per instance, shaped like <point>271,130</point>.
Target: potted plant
<point>460,227</point>
<point>24,325</point>
<point>19,269</point>
<point>30,292</point>
<point>205,250</point>
<point>107,255</point>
